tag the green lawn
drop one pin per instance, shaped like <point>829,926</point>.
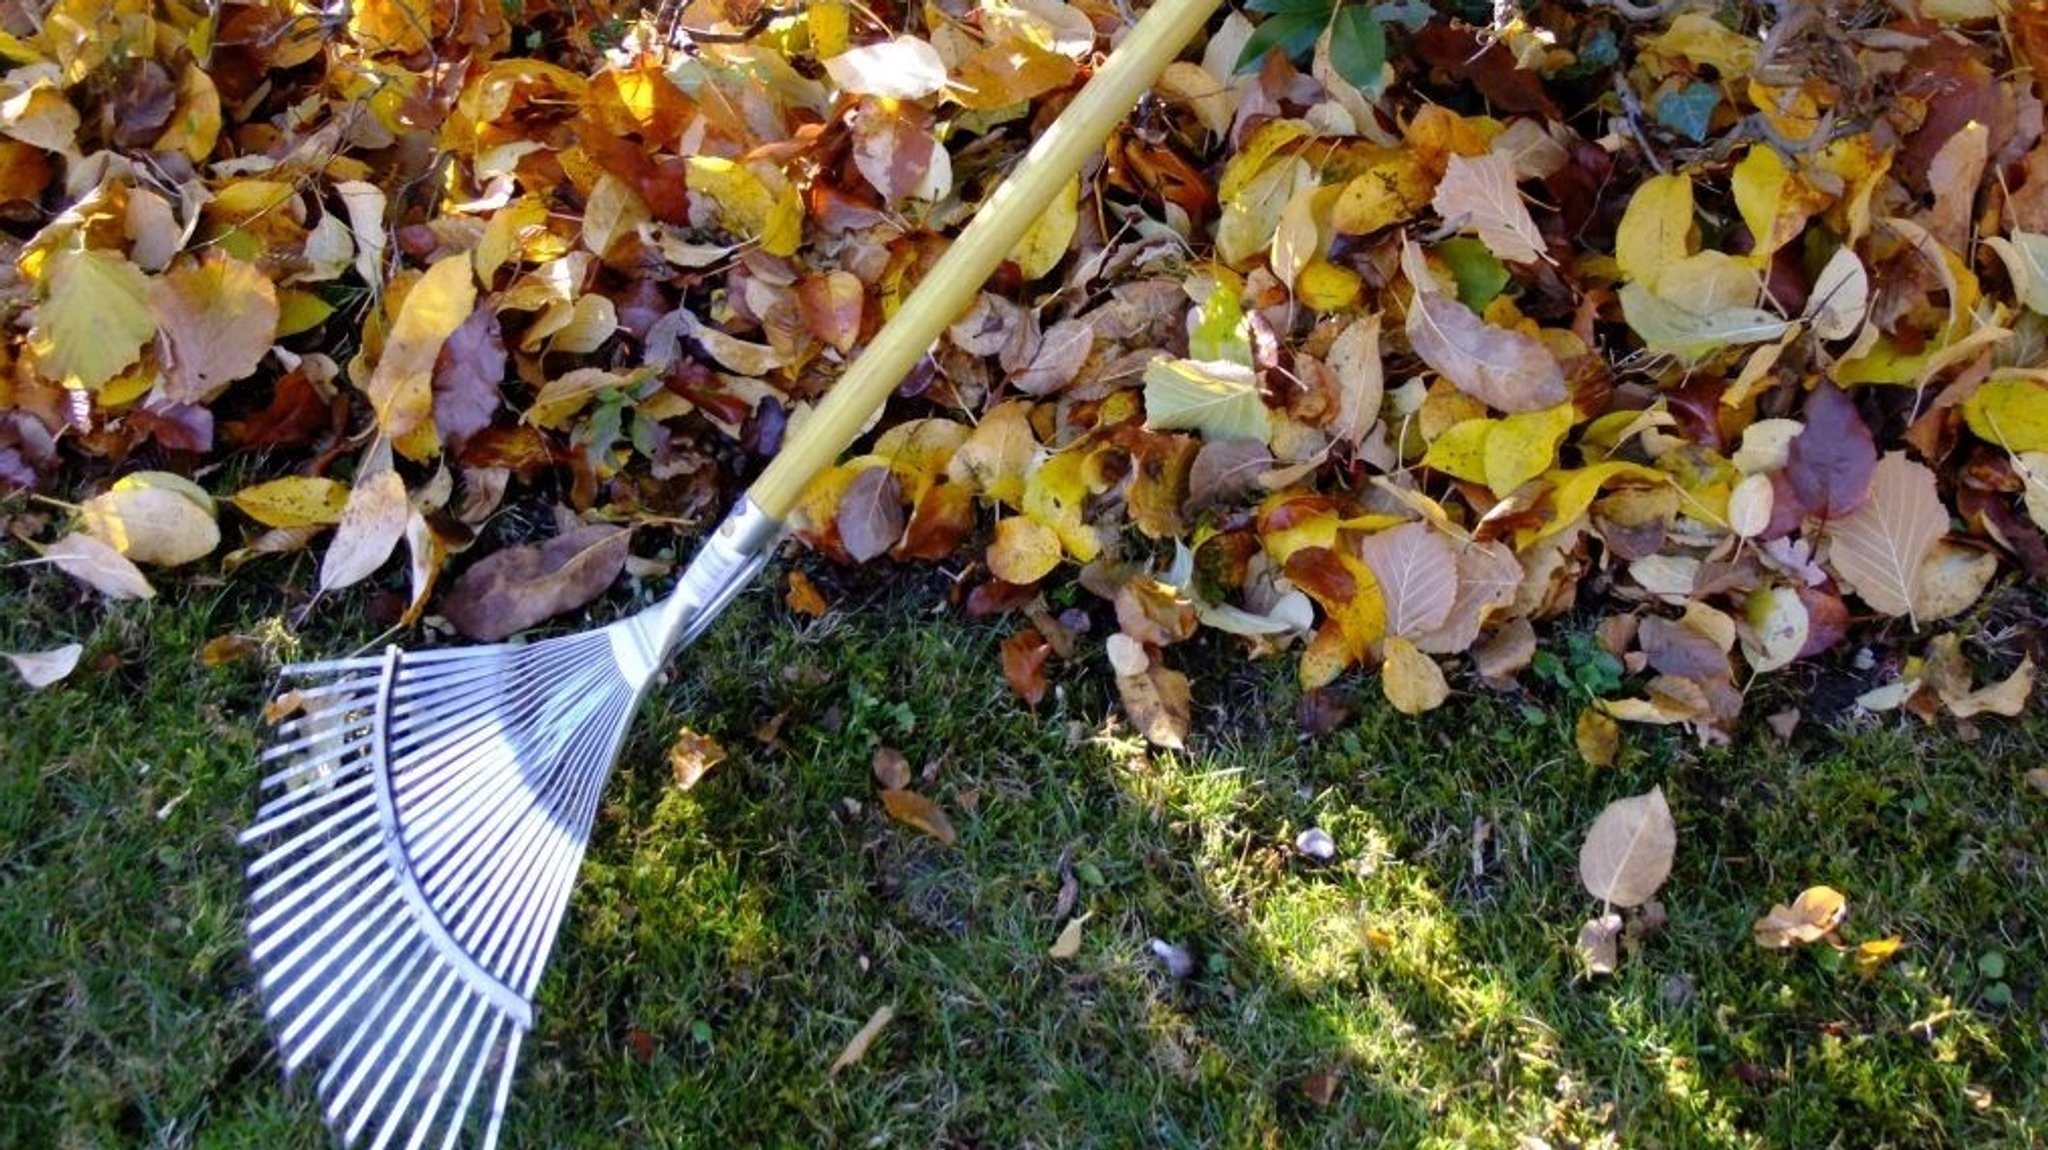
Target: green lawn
<point>1419,989</point>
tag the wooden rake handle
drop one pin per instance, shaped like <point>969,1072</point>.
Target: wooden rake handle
<point>951,284</point>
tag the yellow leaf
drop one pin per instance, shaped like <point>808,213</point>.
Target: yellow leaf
<point>1573,491</point>
<point>401,387</point>
<point>153,517</point>
<point>294,501</point>
<point>93,320</point>
<point>1700,39</point>
<point>1045,242</point>
<point>300,311</point>
<point>196,121</point>
<point>1252,215</point>
<point>2011,412</point>
<point>692,756</point>
<point>1390,191</point>
<point>1325,287</point>
<point>1024,550</point>
<point>1870,955</point>
<point>1249,158</point>
<point>1656,228</point>
<point>830,23</point>
<point>1412,680</point>
<point>1598,737</point>
<point>1055,495</point>
<point>1773,201</point>
<point>507,233</point>
<point>1812,916</point>
<point>914,810</point>
<point>401,27</point>
<point>997,454</point>
<point>1503,453</point>
<point>756,201</point>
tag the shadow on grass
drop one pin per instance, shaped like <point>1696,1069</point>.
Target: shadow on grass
<point>726,942</point>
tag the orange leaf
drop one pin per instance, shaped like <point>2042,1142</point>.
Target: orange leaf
<point>914,810</point>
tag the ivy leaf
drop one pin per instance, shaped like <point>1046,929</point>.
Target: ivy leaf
<point>1689,110</point>
<point>1216,398</point>
<point>1358,48</point>
<point>1294,33</point>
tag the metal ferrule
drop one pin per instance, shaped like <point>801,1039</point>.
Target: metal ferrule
<point>724,564</point>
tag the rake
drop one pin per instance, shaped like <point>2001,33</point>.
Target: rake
<point>425,813</point>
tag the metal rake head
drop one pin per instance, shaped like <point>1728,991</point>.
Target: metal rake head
<point>424,818</point>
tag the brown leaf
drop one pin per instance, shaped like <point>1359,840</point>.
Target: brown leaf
<point>892,770</point>
<point>1829,464</point>
<point>467,377</point>
<point>1628,852</point>
<point>1156,700</point>
<point>1599,944</point>
<point>692,755</point>
<point>914,810</point>
<point>217,318</point>
<point>1878,549</point>
<point>870,514</point>
<point>372,523</point>
<point>1418,572</point>
<point>513,589</point>
<point>1024,657</point>
<point>1505,370</point>
<point>1478,192</point>
<point>1812,916</point>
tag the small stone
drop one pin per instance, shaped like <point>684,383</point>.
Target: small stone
<point>1316,843</point>
<point>1179,963</point>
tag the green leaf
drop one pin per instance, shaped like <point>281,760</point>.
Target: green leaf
<point>1479,273</point>
<point>1217,399</point>
<point>1293,33</point>
<point>1688,110</point>
<point>1358,48</point>
<point>1220,330</point>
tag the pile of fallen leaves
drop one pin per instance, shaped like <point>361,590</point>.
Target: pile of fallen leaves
<point>1379,333</point>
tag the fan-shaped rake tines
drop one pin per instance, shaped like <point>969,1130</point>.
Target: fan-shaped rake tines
<point>424,818</point>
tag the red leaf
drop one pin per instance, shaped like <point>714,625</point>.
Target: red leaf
<point>1830,463</point>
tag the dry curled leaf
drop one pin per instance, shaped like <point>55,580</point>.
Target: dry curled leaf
<point>691,755</point>
<point>1812,916</point>
<point>99,566</point>
<point>857,1046</point>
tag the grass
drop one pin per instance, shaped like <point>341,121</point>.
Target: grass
<point>726,942</point>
